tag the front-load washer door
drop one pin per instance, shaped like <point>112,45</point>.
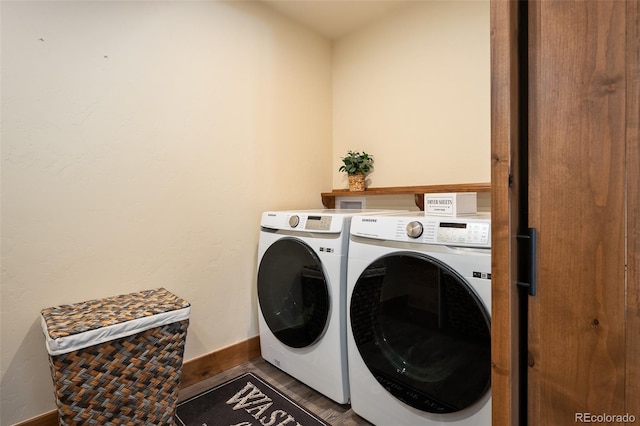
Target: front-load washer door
<point>293,293</point>
<point>423,332</point>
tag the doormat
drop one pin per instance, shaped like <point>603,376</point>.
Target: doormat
<point>246,400</point>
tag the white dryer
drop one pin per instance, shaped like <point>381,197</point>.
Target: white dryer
<point>419,314</point>
<point>302,260</point>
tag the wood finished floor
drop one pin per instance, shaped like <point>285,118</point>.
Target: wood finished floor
<point>332,412</point>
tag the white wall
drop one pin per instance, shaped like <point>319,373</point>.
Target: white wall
<point>413,89</point>
<point>140,143</point>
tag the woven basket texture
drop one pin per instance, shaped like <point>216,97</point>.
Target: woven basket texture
<point>133,380</point>
<point>77,318</point>
<point>356,182</point>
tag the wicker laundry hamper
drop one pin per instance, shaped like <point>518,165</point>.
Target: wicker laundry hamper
<point>117,360</point>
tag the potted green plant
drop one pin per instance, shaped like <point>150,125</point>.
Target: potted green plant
<point>357,165</point>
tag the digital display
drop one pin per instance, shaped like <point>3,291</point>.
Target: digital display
<point>318,223</point>
<point>453,225</point>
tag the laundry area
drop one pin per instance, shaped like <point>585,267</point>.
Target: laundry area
<point>196,147</point>
<point>381,309</point>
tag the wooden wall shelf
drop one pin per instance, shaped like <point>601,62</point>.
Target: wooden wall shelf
<point>329,198</point>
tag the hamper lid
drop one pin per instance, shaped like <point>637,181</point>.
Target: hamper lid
<point>68,328</point>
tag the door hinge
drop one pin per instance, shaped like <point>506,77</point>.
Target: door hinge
<point>527,265</point>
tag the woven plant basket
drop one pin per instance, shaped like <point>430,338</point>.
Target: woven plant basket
<point>356,182</point>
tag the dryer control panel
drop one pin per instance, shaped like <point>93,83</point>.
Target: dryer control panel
<point>472,231</point>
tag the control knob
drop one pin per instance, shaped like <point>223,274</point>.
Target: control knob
<point>414,229</point>
<point>294,221</point>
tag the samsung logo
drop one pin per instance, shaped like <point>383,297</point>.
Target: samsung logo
<point>369,220</point>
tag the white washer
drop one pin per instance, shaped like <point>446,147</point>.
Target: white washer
<point>418,308</point>
<point>302,260</point>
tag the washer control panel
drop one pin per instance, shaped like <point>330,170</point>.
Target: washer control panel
<point>318,223</point>
<point>301,221</point>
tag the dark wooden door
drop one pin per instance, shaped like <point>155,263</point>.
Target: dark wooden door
<point>583,90</point>
<point>505,184</point>
<point>582,118</point>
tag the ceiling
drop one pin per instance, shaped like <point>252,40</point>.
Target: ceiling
<point>334,18</point>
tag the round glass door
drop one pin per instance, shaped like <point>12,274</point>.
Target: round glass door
<point>293,293</point>
<point>423,332</point>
